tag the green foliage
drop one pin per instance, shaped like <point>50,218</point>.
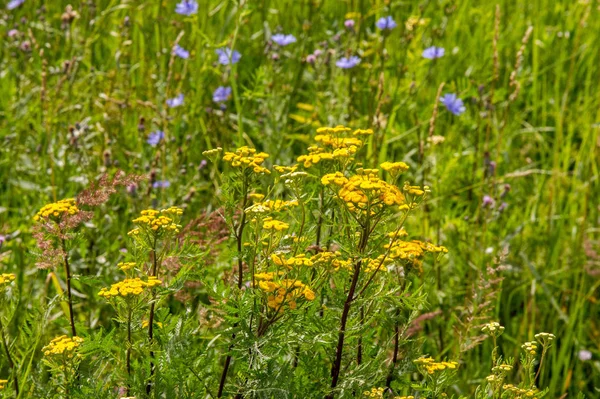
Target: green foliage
<point>509,187</point>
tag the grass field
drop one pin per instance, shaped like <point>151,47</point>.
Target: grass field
<point>117,104</point>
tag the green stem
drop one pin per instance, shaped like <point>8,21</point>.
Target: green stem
<point>11,363</point>
<point>68,274</point>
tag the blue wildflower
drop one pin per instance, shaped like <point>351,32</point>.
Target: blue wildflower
<point>386,23</point>
<point>181,52</point>
<point>175,102</point>
<point>283,40</point>
<point>187,7</point>
<point>221,94</point>
<point>226,56</point>
<point>155,137</point>
<point>161,184</point>
<point>348,62</point>
<point>453,104</point>
<point>433,52</point>
<point>14,4</point>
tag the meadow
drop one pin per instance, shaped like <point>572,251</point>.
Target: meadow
<point>299,199</point>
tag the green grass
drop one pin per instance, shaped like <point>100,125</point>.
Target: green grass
<point>545,144</point>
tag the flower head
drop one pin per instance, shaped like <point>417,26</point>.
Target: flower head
<point>283,40</point>
<point>175,102</point>
<point>349,23</point>
<point>161,184</point>
<point>155,137</point>
<point>453,104</point>
<point>247,158</point>
<point>384,23</point>
<point>348,62</point>
<point>181,52</point>
<point>57,209</point>
<point>221,94</point>
<point>129,286</point>
<point>62,345</point>
<point>187,7</point>
<point>6,278</point>
<point>227,56</point>
<point>431,53</point>
<point>14,4</point>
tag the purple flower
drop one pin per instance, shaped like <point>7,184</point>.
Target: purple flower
<point>349,23</point>
<point>384,23</point>
<point>502,207</point>
<point>175,102</point>
<point>283,40</point>
<point>348,62</point>
<point>14,4</point>
<point>13,33</point>
<point>181,52</point>
<point>161,184</point>
<point>311,58</point>
<point>488,201</point>
<point>221,94</point>
<point>226,56</point>
<point>318,52</point>
<point>155,137</point>
<point>187,7</point>
<point>202,164</point>
<point>584,355</point>
<point>431,53</point>
<point>453,104</point>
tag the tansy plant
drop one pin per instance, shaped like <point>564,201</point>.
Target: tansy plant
<point>154,239</point>
<point>322,232</point>
<point>498,383</point>
<point>6,280</point>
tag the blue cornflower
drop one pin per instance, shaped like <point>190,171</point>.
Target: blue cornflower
<point>181,52</point>
<point>14,4</point>
<point>226,56</point>
<point>283,40</point>
<point>386,23</point>
<point>221,94</point>
<point>161,184</point>
<point>348,62</point>
<point>453,104</point>
<point>155,137</point>
<point>187,7</point>
<point>431,53</point>
<point>175,102</point>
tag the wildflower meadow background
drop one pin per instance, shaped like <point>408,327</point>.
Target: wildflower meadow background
<point>299,199</point>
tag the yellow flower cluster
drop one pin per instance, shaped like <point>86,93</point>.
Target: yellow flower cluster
<point>272,224</point>
<point>6,278</point>
<point>156,221</point>
<point>431,366</point>
<point>337,143</point>
<point>129,286</point>
<point>364,191</point>
<point>125,266</point>
<point>545,338</point>
<point>412,251</point>
<point>3,384</point>
<point>62,344</point>
<point>298,260</point>
<point>247,158</point>
<point>374,393</point>
<point>394,167</point>
<point>284,292</point>
<point>493,329</point>
<point>378,393</point>
<point>57,209</point>
<point>522,392</point>
<point>530,347</point>
<point>270,205</point>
